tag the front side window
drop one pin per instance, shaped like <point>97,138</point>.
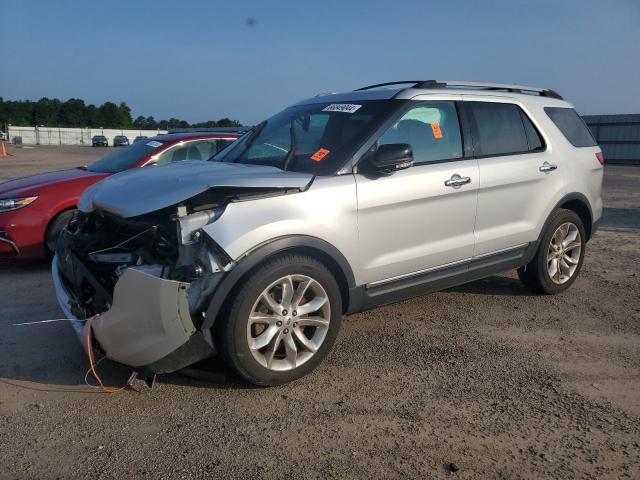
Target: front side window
<point>316,138</point>
<point>431,128</point>
<point>571,126</point>
<point>499,129</point>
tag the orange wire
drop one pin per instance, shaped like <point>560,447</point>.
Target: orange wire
<point>92,364</point>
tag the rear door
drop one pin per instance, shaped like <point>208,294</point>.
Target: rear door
<point>417,219</point>
<point>517,174</point>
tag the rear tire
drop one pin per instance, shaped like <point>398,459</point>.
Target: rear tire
<point>56,226</point>
<point>281,322</point>
<point>559,257</point>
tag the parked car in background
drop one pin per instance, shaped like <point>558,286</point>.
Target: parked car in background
<point>120,141</point>
<point>33,210</point>
<point>99,141</point>
<point>4,136</point>
<point>337,204</point>
<point>140,138</point>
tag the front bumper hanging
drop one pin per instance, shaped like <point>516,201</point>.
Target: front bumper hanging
<point>148,326</point>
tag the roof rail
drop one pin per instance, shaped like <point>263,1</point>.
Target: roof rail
<point>415,82</point>
<point>543,92</point>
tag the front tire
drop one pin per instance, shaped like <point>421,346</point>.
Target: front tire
<point>559,257</point>
<point>56,226</point>
<point>281,322</point>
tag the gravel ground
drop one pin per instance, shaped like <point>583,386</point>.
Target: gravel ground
<point>482,381</point>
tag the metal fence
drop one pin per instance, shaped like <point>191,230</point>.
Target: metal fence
<point>70,136</point>
<point>618,136</point>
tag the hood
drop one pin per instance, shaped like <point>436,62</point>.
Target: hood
<point>144,190</point>
<point>30,185</point>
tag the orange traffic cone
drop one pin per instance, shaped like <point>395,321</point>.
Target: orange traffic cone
<point>3,151</point>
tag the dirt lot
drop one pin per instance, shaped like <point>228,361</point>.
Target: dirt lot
<point>502,383</point>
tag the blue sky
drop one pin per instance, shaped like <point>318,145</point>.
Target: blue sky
<point>202,60</point>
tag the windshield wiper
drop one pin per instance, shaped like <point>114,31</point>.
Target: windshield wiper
<point>291,154</point>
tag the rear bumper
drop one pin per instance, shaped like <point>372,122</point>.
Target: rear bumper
<point>148,325</point>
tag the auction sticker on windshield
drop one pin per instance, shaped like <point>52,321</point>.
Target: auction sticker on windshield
<point>341,107</point>
<point>319,154</point>
<point>154,144</point>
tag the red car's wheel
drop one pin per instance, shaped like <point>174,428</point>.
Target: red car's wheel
<point>55,227</point>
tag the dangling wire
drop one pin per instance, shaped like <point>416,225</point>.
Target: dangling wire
<point>92,364</point>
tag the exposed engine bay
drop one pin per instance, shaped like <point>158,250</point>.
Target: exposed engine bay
<point>148,278</point>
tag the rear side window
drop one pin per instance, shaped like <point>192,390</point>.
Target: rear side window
<point>499,129</point>
<point>571,126</point>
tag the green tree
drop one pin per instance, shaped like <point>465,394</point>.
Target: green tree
<point>110,115</point>
<point>139,122</point>
<point>93,117</point>
<point>226,122</point>
<point>150,123</point>
<point>124,115</point>
<point>72,113</point>
<point>45,111</point>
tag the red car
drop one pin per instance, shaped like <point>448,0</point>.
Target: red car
<point>33,210</point>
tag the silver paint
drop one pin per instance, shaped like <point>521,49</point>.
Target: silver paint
<point>144,190</point>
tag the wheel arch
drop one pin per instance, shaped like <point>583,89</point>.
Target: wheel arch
<point>54,217</point>
<point>316,248</point>
<point>579,204</point>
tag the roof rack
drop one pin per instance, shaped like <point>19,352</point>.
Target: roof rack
<point>543,92</point>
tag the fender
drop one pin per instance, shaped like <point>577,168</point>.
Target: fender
<point>256,255</point>
<point>589,226</point>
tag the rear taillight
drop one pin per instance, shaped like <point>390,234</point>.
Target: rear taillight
<point>600,158</point>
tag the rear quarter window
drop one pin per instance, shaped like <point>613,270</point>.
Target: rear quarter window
<point>571,125</point>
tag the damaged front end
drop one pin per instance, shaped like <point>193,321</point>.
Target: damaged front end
<point>146,281</point>
<point>139,263</point>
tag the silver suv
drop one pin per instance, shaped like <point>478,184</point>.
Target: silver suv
<point>337,204</point>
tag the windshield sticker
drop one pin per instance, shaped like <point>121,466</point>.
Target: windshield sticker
<point>154,144</point>
<point>341,107</point>
<point>319,154</point>
<point>437,133</point>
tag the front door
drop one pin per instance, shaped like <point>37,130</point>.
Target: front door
<point>421,218</point>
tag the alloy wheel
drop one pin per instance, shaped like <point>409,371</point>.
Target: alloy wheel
<point>563,255</point>
<point>288,322</point>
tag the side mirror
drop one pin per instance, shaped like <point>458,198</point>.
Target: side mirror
<point>392,157</point>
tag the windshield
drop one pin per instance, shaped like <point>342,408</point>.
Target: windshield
<point>124,158</point>
<point>314,139</point>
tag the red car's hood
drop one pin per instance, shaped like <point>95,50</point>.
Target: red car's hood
<point>31,184</point>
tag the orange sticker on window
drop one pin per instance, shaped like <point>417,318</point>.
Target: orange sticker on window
<point>320,154</point>
<point>435,128</point>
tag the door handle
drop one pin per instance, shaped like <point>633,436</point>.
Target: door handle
<point>456,181</point>
<point>547,167</point>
